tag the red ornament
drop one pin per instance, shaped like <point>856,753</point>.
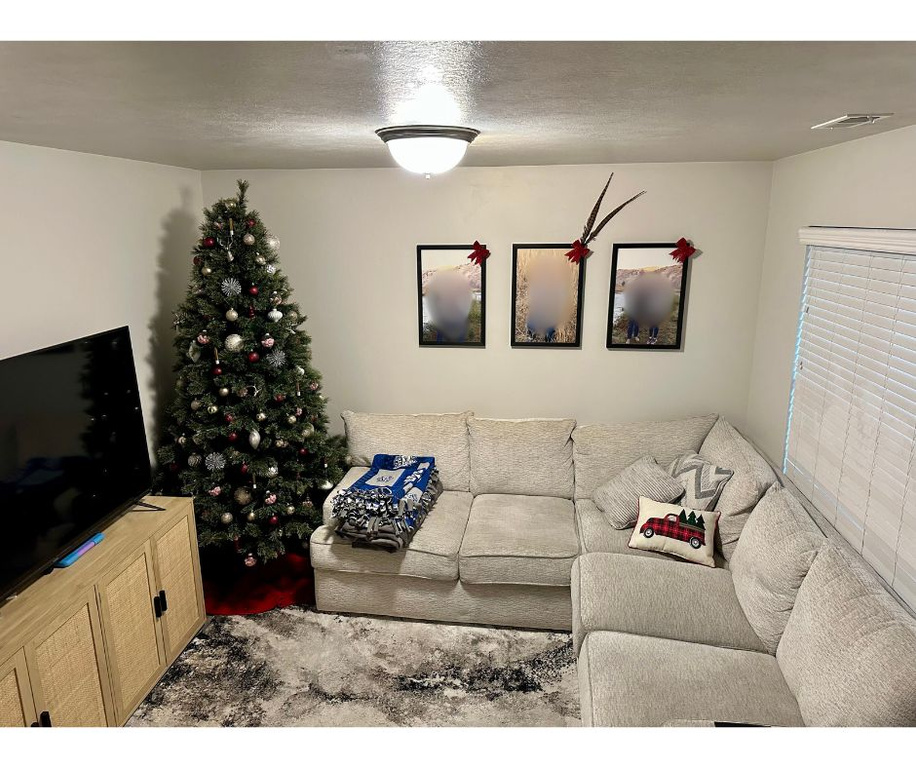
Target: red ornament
<point>244,469</point>
<point>250,223</point>
<point>303,452</point>
<point>229,418</point>
<point>480,254</point>
<point>253,357</point>
<point>578,252</point>
<point>217,371</point>
<point>683,251</point>
<point>273,520</point>
<point>253,290</point>
<point>233,436</point>
<point>208,242</point>
<point>197,260</point>
<point>251,311</point>
<point>280,398</point>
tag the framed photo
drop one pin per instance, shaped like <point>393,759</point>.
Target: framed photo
<point>647,297</point>
<point>547,294</point>
<point>451,297</point>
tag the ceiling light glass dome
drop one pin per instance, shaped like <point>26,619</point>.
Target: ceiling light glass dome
<point>427,149</point>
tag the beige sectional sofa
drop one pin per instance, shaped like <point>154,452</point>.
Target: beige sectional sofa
<point>790,628</point>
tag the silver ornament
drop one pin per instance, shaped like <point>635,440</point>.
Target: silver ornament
<point>233,342</point>
<point>292,316</point>
<point>308,430</point>
<point>194,352</point>
<point>261,416</point>
<point>231,287</point>
<point>248,239</point>
<point>243,496</point>
<point>291,419</point>
<point>252,517</point>
<point>254,438</point>
<point>215,461</point>
<point>275,315</point>
<point>206,271</point>
<point>326,485</point>
<point>194,460</point>
<point>273,242</point>
<point>232,315</point>
<point>272,470</point>
<point>195,405</point>
<point>260,260</point>
<point>270,269</point>
<point>211,409</point>
<point>225,518</point>
<point>277,358</point>
<point>224,391</point>
<point>281,443</point>
<point>182,440</point>
<point>290,509</point>
<point>300,370</point>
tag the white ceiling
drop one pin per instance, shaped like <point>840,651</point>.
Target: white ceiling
<point>316,104</point>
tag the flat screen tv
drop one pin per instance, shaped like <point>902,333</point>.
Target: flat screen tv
<point>73,452</point>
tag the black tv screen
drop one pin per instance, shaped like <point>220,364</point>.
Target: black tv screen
<point>73,450</point>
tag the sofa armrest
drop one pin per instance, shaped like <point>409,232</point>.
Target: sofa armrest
<point>353,474</point>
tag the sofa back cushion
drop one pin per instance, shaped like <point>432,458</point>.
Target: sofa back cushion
<point>530,457</point>
<point>772,558</point>
<point>603,450</point>
<point>725,446</point>
<point>441,435</point>
<point>848,652</point>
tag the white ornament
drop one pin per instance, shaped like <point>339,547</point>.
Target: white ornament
<point>270,269</point>
<point>254,438</point>
<point>215,461</point>
<point>231,287</point>
<point>273,242</point>
<point>276,358</point>
<point>233,342</point>
<point>232,315</point>
<point>248,239</point>
<point>275,315</point>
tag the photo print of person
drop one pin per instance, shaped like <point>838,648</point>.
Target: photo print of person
<point>647,297</point>
<point>547,291</point>
<point>451,297</point>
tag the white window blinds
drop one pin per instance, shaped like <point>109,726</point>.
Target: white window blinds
<point>852,420</point>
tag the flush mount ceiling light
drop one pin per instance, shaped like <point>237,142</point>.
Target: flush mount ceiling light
<point>852,121</point>
<point>427,149</point>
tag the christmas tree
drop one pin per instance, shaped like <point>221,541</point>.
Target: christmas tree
<point>247,433</point>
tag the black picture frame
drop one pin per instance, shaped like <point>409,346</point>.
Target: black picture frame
<point>682,296</point>
<point>562,249</point>
<point>422,332</point>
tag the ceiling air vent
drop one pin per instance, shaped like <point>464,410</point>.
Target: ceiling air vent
<point>852,121</point>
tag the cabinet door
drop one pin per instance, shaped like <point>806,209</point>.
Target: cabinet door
<point>130,627</point>
<point>64,664</point>
<point>178,569</point>
<point>16,706</point>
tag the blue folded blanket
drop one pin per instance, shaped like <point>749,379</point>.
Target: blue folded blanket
<point>385,507</point>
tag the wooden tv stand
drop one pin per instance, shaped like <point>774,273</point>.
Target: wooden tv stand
<point>82,646</point>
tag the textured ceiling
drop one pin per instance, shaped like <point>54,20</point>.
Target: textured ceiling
<point>316,105</point>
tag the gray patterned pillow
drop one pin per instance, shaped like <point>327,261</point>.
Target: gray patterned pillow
<point>618,498</point>
<point>702,480</point>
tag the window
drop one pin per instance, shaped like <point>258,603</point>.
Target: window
<point>852,413</point>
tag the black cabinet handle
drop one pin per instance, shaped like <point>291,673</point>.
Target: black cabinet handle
<point>157,607</point>
<point>163,601</point>
<point>45,719</point>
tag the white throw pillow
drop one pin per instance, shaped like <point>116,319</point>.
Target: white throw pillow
<point>686,533</point>
<point>618,497</point>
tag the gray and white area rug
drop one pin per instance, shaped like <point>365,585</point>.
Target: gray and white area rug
<point>298,667</point>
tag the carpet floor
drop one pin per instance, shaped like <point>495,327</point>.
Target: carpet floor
<point>297,667</point>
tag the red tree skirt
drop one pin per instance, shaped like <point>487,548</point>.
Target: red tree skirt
<point>231,589</point>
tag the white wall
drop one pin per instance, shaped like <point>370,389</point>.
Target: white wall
<point>348,240</point>
<point>90,243</point>
<point>863,183</point>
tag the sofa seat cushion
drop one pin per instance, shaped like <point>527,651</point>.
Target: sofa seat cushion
<point>596,534</point>
<point>432,554</point>
<point>631,681</point>
<point>603,450</point>
<point>658,598</point>
<point>848,651</point>
<point>519,540</point>
<point>522,456</point>
<point>772,558</point>
<point>753,476</point>
<point>441,435</point>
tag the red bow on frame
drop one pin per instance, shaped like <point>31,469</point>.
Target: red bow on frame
<point>683,251</point>
<point>480,255</point>
<point>578,252</point>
